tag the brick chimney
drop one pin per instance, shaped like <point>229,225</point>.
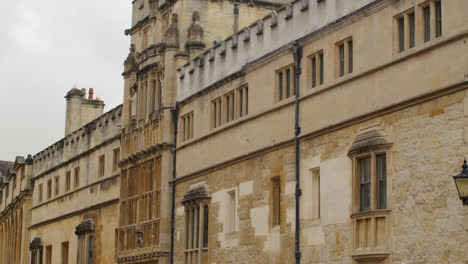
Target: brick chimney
<point>80,110</point>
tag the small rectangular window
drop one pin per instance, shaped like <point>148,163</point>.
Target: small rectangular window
<point>186,126</point>
<point>316,193</point>
<point>276,199</point>
<point>229,110</point>
<point>216,112</point>
<point>101,168</point>
<point>365,184</point>
<point>342,59</point>
<point>314,72</point>
<point>280,80</point>
<point>381,181</point>
<point>115,162</point>
<point>243,101</point>
<point>49,254</point>
<point>57,185</point>
<point>288,83</point>
<point>231,212</point>
<point>205,226</point>
<point>350,56</point>
<point>77,177</point>
<point>49,188</point>
<point>67,181</point>
<point>401,34</point>
<point>412,28</point>
<point>321,68</point>
<point>40,192</point>
<point>438,12</point>
<point>427,23</point>
<point>65,252</point>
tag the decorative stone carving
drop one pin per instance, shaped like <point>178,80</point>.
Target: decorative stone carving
<point>195,34</point>
<point>197,192</point>
<point>246,34</point>
<point>259,27</point>
<point>171,37</point>
<point>130,64</point>
<point>87,226</point>
<point>36,244</point>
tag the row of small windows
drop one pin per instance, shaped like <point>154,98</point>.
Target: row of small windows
<point>428,21</point>
<point>76,177</point>
<point>284,78</point>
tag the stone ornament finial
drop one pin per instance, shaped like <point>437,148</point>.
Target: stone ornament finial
<point>195,35</point>
<point>171,37</point>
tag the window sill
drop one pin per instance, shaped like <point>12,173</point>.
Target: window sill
<point>375,256</point>
<point>371,213</point>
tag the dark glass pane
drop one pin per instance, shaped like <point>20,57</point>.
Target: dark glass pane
<point>280,80</point>
<point>197,226</point>
<point>241,103</point>
<point>341,60</point>
<point>288,83</point>
<point>321,68</point>
<point>193,229</point>
<point>187,231</point>
<point>427,24</point>
<point>205,226</point>
<point>227,109</point>
<point>382,181</point>
<point>412,26</point>
<point>314,72</point>
<point>401,33</point>
<point>246,101</point>
<point>90,250</point>
<point>438,7</point>
<point>351,57</point>
<point>364,183</point>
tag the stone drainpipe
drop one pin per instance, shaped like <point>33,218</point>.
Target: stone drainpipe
<point>297,53</point>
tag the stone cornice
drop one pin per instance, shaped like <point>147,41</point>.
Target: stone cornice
<point>134,158</point>
<point>143,256</point>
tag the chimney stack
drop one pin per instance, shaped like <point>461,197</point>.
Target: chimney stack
<point>91,94</point>
<point>80,110</point>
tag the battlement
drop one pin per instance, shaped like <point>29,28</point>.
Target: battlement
<point>97,132</point>
<point>264,36</point>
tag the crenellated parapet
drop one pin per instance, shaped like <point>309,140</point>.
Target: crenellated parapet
<point>104,129</point>
<point>273,33</point>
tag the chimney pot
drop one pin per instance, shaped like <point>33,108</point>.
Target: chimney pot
<point>91,94</point>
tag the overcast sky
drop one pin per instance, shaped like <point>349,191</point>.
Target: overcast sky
<point>46,48</point>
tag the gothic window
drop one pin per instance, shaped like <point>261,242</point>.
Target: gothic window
<point>85,233</point>
<point>140,202</point>
<point>36,248</point>
<point>370,198</point>
<point>196,202</point>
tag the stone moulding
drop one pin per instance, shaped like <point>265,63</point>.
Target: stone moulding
<point>36,243</point>
<point>85,227</point>
<point>374,139</point>
<point>196,193</point>
<point>143,256</point>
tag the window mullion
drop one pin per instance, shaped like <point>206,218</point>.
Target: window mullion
<point>373,182</point>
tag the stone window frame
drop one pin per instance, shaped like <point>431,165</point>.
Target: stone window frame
<point>41,192</point>
<point>76,177</point>
<point>37,251</point>
<point>116,158</point>
<point>347,59</point>
<point>197,197</point>
<point>319,58</point>
<point>101,166</point>
<point>371,228</point>
<point>232,217</point>
<point>242,101</point>
<point>282,205</point>
<point>281,83</point>
<point>85,249</point>
<point>186,126</point>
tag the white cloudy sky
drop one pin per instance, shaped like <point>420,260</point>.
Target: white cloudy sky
<point>46,48</point>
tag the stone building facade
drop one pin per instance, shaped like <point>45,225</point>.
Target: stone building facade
<point>74,211</point>
<point>326,132</point>
<point>164,35</point>
<point>15,205</point>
